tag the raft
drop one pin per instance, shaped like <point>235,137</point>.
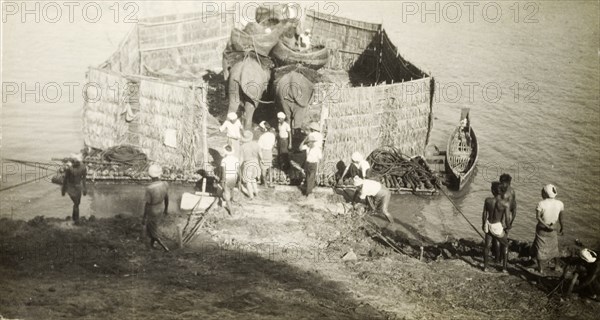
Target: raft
<point>377,97</point>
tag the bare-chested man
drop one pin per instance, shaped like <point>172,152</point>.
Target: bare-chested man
<point>494,219</point>
<point>505,179</point>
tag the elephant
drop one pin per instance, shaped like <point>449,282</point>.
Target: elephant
<point>247,82</point>
<point>248,73</point>
<point>293,94</point>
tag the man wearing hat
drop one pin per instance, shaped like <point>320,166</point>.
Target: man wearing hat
<point>74,183</point>
<point>234,129</point>
<point>548,213</point>
<point>588,273</point>
<point>250,158</point>
<point>314,133</point>
<point>358,167</point>
<point>156,194</point>
<point>266,142</point>
<point>284,143</point>
<point>312,144</point>
<point>371,188</point>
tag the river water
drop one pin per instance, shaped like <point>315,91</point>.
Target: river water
<point>529,71</point>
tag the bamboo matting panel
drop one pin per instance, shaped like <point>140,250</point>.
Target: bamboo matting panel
<point>349,40</point>
<point>365,118</point>
<point>103,121</point>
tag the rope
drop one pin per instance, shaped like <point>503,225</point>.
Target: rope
<point>462,214</point>
<point>26,182</point>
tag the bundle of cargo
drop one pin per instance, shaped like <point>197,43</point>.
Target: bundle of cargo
<point>315,58</point>
<point>260,37</point>
<point>128,163</point>
<point>400,173</point>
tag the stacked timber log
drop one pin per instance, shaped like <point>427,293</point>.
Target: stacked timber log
<point>401,173</point>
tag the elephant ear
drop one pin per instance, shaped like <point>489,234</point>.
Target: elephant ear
<point>253,79</point>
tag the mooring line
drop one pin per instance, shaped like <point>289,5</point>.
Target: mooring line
<point>26,182</point>
<point>461,213</point>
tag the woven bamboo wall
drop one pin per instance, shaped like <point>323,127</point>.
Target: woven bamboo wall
<point>127,57</point>
<point>103,123</point>
<point>184,39</point>
<point>365,118</point>
<point>348,39</point>
<point>170,106</point>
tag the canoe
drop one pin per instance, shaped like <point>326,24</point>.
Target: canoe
<point>314,59</point>
<point>259,43</point>
<point>461,153</point>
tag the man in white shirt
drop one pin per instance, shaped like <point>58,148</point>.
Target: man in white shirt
<point>358,167</point>
<point>548,212</point>
<point>234,129</point>
<point>284,141</point>
<point>371,188</point>
<point>314,154</point>
<point>266,142</point>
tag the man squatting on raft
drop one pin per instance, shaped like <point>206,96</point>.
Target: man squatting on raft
<point>74,183</point>
<point>358,167</point>
<point>156,195</point>
<point>494,221</point>
<point>371,188</point>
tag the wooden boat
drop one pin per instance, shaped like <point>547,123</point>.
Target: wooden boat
<point>314,59</point>
<point>461,153</point>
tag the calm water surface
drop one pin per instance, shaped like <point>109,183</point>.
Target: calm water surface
<point>543,127</point>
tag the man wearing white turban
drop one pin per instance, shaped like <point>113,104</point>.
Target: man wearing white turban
<point>548,212</point>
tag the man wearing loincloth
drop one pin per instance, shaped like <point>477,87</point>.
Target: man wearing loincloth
<point>494,219</point>
<point>548,212</point>
<point>156,195</point>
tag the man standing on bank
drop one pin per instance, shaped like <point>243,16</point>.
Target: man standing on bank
<point>74,184</point>
<point>233,127</point>
<point>312,144</point>
<point>156,194</point>
<point>505,179</point>
<point>494,218</point>
<point>284,143</point>
<point>548,212</point>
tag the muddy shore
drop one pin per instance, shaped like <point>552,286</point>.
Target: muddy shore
<point>278,257</point>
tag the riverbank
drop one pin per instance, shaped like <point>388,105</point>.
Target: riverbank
<point>278,257</point>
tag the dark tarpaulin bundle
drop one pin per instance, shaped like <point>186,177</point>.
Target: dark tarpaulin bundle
<point>125,154</point>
